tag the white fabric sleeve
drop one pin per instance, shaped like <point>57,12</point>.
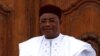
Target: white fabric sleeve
<point>22,51</point>
<point>86,50</point>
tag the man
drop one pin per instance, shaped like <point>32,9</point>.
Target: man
<point>52,42</point>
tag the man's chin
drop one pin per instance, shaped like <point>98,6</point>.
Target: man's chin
<point>48,32</point>
<point>49,36</point>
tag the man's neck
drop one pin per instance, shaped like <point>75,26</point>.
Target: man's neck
<point>52,37</point>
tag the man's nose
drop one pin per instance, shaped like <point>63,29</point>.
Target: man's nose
<point>47,23</point>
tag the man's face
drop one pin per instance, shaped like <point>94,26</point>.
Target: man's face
<point>49,24</point>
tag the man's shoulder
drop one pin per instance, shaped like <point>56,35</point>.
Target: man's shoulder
<point>31,45</point>
<point>75,45</point>
<point>73,40</point>
<point>32,41</point>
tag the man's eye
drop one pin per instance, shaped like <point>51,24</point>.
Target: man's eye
<point>52,20</point>
<point>43,21</point>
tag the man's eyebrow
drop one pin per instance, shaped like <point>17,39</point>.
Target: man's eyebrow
<point>43,18</point>
<point>47,18</point>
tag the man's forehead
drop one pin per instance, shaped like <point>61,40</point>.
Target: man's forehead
<point>49,16</point>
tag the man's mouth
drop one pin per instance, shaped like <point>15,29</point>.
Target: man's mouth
<point>48,29</point>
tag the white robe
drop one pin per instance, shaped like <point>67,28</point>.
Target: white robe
<point>71,47</point>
